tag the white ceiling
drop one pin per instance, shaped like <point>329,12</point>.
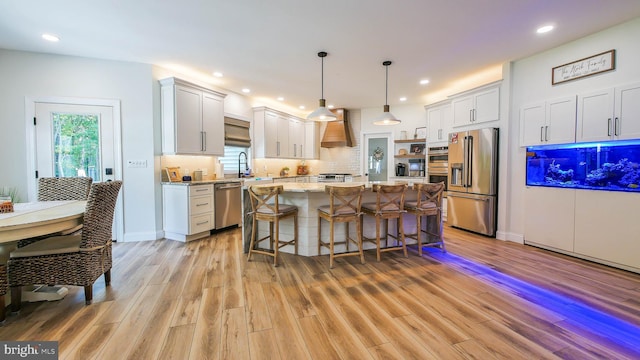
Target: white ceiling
<point>271,46</point>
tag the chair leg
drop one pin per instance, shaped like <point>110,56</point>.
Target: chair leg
<point>378,238</point>
<point>275,238</point>
<point>346,230</point>
<point>359,238</point>
<point>319,236</point>
<point>107,277</point>
<point>254,232</point>
<point>400,235</point>
<point>2,309</point>
<point>419,233</point>
<point>295,233</point>
<point>16,298</point>
<point>88,294</point>
<point>331,243</point>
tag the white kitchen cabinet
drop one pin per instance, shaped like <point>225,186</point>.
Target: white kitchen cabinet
<point>607,227</point>
<point>438,122</point>
<point>188,211</point>
<point>311,149</point>
<point>192,117</point>
<point>296,138</point>
<point>609,114</point>
<point>548,122</point>
<point>476,106</point>
<point>549,217</point>
<point>272,135</point>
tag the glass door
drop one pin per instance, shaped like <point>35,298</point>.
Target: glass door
<point>377,158</point>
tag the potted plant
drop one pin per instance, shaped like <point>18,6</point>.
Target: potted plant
<point>284,171</point>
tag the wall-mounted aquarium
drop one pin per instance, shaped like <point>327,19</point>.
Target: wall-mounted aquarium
<point>612,166</point>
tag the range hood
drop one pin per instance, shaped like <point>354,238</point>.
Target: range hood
<point>338,133</point>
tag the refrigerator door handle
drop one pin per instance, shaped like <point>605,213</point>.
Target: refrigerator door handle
<point>465,155</point>
<point>469,160</point>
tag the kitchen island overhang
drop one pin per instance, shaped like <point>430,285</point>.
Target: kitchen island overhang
<point>308,197</point>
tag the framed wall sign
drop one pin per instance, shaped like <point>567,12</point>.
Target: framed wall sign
<point>592,65</point>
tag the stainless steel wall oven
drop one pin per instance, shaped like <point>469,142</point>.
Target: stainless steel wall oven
<point>438,165</point>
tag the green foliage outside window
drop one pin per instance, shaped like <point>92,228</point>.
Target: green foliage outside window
<point>76,139</point>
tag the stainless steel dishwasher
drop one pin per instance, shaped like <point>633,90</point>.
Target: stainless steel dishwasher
<point>228,203</point>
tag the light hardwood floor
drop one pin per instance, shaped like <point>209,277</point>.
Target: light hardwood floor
<point>483,299</point>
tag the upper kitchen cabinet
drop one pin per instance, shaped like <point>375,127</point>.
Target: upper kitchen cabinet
<point>296,138</point>
<point>192,117</point>
<point>548,122</point>
<point>438,122</point>
<point>311,140</point>
<point>609,114</point>
<point>477,106</point>
<point>277,134</point>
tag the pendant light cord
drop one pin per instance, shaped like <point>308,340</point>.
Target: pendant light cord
<point>322,78</point>
<point>386,86</point>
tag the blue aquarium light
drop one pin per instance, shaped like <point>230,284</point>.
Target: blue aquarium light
<point>596,323</point>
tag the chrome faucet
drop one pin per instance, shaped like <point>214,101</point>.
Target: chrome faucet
<point>246,163</point>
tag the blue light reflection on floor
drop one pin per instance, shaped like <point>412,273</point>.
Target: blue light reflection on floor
<point>591,320</point>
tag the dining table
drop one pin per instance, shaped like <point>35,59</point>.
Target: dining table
<point>35,219</point>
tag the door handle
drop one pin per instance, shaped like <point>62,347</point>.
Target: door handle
<point>609,127</point>
<point>541,132</point>
<point>615,126</point>
<point>205,141</point>
<point>546,133</point>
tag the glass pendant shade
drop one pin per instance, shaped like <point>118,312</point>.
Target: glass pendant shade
<point>386,118</point>
<point>322,113</point>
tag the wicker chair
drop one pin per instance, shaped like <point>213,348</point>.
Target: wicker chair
<point>428,203</point>
<point>63,188</point>
<point>389,205</point>
<point>3,291</point>
<point>265,206</point>
<point>344,206</point>
<point>77,260</point>
<point>57,189</point>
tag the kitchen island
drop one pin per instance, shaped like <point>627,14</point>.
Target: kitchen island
<point>308,197</point>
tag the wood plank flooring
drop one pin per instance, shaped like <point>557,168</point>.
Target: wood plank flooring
<point>483,299</point>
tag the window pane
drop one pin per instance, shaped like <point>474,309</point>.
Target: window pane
<point>76,145</point>
<point>230,159</point>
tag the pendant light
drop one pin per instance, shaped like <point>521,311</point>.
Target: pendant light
<point>386,118</point>
<point>322,113</point>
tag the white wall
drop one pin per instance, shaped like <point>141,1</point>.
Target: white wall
<point>531,82</point>
<point>37,75</point>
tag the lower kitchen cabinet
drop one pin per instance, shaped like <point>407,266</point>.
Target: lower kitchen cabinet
<point>607,227</point>
<point>549,217</point>
<point>188,211</point>
<point>601,226</point>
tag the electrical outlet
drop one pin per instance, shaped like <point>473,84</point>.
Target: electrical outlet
<point>136,163</point>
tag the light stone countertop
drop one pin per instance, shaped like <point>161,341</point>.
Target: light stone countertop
<point>319,187</point>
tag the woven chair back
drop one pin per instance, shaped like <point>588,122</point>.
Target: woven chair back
<point>264,199</point>
<point>344,200</point>
<point>390,198</point>
<point>63,188</point>
<point>429,193</point>
<point>98,214</point>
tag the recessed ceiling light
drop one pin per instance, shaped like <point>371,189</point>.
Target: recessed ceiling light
<point>301,107</point>
<point>217,74</point>
<point>50,37</point>
<point>330,106</point>
<point>544,29</point>
<point>246,91</point>
<point>403,99</point>
<point>280,98</point>
<point>424,82</point>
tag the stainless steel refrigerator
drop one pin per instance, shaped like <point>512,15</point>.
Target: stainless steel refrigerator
<point>473,174</point>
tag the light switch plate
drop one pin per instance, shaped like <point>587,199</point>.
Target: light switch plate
<point>136,163</point>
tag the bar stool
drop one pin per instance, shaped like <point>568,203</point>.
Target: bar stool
<point>344,207</point>
<point>389,205</point>
<point>265,206</point>
<point>428,203</point>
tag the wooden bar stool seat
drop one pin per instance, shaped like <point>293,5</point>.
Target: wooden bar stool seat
<point>428,204</point>
<point>265,206</point>
<point>344,207</point>
<point>389,205</point>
